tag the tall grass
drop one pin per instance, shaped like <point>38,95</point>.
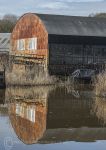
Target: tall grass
<point>100,85</point>
<point>19,76</point>
<point>23,78</point>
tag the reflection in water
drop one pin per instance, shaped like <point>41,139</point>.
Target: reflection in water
<point>99,109</point>
<point>48,115</point>
<point>73,118</point>
<point>25,111</point>
<point>28,113</point>
<point>66,110</point>
<point>28,120</point>
<point>3,105</point>
<point>2,96</point>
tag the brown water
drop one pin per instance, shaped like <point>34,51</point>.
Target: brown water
<point>48,118</point>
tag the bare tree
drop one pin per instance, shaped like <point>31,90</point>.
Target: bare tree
<point>7,23</point>
<point>10,17</point>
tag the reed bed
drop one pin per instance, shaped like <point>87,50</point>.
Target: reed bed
<point>100,85</point>
<point>23,78</point>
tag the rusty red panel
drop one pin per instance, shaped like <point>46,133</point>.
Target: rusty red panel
<point>30,26</point>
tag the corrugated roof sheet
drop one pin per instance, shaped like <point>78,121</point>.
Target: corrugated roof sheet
<point>74,25</point>
<point>4,41</point>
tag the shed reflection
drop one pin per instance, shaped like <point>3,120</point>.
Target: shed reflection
<point>50,115</point>
<point>71,117</point>
<point>28,115</point>
<point>28,120</point>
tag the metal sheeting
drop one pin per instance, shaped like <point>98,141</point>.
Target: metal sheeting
<point>74,25</point>
<point>4,42</point>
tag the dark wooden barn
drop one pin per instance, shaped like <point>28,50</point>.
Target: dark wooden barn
<point>62,43</point>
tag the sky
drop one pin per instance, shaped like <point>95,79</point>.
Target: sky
<point>63,7</point>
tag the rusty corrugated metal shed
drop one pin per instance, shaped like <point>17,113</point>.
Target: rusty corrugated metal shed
<point>64,42</point>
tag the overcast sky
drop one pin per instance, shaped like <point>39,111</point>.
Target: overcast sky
<point>65,7</point>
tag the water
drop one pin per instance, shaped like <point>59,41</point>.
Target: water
<point>43,118</point>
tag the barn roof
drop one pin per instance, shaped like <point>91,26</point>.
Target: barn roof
<point>74,25</point>
<point>4,42</point>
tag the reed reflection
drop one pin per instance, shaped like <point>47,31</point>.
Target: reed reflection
<point>3,105</point>
<point>99,109</point>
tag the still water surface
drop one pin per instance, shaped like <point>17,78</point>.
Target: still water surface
<point>48,118</point>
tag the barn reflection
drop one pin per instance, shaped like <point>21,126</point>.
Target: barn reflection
<point>27,113</point>
<point>28,121</point>
<point>51,115</point>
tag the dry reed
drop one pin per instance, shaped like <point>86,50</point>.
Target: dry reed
<point>100,85</point>
<point>22,78</point>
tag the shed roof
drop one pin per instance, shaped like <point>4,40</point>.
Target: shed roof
<point>74,25</point>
